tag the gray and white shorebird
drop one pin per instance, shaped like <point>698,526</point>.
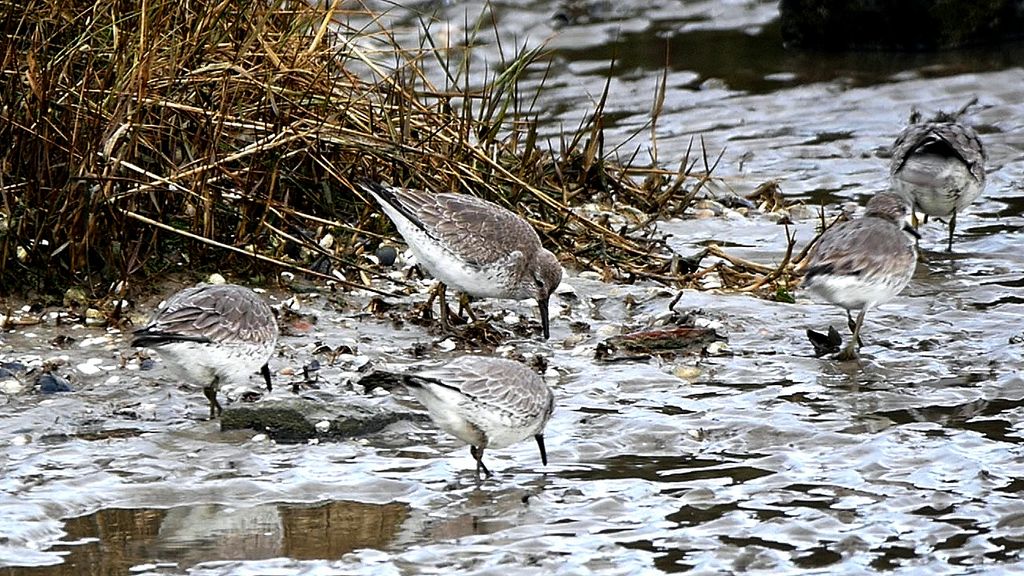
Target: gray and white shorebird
<point>864,262</point>
<point>485,402</point>
<point>211,334</point>
<point>939,167</point>
<point>472,245</point>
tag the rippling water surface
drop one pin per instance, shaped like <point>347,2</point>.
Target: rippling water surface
<point>758,458</point>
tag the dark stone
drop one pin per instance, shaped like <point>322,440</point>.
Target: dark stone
<point>295,421</point>
<point>387,255</point>
<point>899,24</point>
<point>13,367</point>
<point>50,383</point>
<point>284,425</point>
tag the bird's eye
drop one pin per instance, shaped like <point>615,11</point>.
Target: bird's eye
<point>538,282</point>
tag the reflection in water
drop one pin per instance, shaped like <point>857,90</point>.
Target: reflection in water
<point>759,64</point>
<point>667,469</point>
<point>114,540</point>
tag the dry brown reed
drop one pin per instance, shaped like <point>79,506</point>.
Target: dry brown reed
<point>145,137</point>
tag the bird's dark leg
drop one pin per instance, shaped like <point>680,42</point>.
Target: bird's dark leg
<point>265,371</point>
<point>853,327</point>
<point>429,304</point>
<point>464,306</point>
<point>444,314</point>
<point>850,352</point>
<point>211,394</point>
<point>952,226</point>
<point>478,455</point>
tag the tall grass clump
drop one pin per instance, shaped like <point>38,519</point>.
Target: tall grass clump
<point>143,137</point>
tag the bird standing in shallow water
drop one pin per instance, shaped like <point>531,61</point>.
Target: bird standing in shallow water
<point>472,245</point>
<point>864,262</point>
<point>939,167</point>
<point>485,402</point>
<point>211,334</point>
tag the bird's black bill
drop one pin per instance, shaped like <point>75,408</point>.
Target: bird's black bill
<point>911,230</point>
<point>544,322</point>
<point>543,452</point>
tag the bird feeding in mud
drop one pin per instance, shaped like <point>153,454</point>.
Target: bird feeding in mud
<point>211,334</point>
<point>864,262</point>
<point>485,402</point>
<point>939,167</point>
<point>472,245</point>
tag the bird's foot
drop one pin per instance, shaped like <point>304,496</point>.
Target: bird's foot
<point>823,344</point>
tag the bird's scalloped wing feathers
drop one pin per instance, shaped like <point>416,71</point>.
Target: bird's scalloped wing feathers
<point>217,314</point>
<point>506,387</point>
<point>853,248</point>
<point>952,139</point>
<point>477,231</point>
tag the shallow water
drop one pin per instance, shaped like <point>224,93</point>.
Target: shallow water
<point>760,457</point>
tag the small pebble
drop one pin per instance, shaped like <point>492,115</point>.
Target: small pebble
<point>216,279</point>
<point>147,411</point>
<point>94,317</point>
<point>51,383</point>
<point>686,372</point>
<point>387,255</point>
<point>717,348</point>
<point>259,438</point>
<point>89,367</point>
<point>323,426</point>
<point>96,341</point>
<point>574,340</point>
<point>13,366</point>
<point>565,289</point>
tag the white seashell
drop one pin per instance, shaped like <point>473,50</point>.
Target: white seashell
<point>88,368</point>
<point>565,288</point>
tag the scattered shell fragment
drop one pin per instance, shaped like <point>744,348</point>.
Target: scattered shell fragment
<point>89,367</point>
<point>687,372</point>
<point>94,317</point>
